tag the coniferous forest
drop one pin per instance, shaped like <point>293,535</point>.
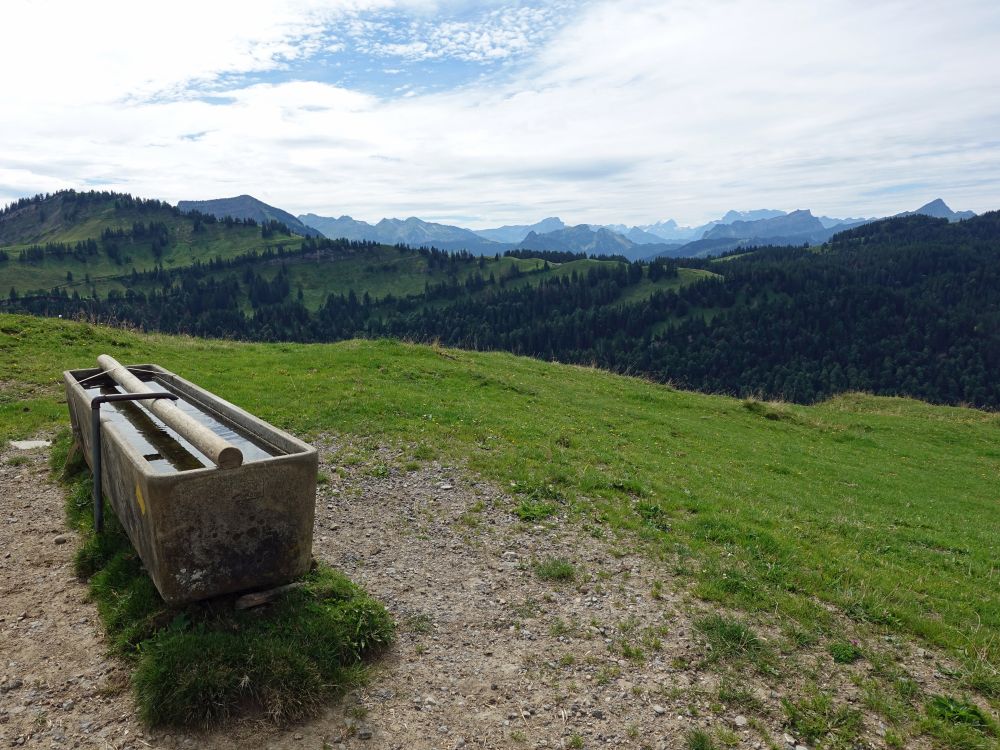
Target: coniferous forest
<point>907,306</point>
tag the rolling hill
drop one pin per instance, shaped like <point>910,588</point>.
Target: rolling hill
<point>132,252</point>
<point>85,241</point>
<point>904,306</point>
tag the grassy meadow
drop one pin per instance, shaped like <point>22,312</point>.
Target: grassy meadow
<point>880,510</point>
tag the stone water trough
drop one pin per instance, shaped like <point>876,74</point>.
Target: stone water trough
<point>214,500</point>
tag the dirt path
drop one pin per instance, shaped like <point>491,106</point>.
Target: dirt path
<point>488,654</point>
<point>58,687</point>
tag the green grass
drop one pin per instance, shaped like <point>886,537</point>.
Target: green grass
<point>555,569</point>
<point>882,508</point>
<point>645,288</point>
<point>205,663</point>
<point>636,293</point>
<point>820,719</point>
<point>844,653</point>
<point>730,639</point>
<point>532,510</point>
<point>381,271</point>
<point>956,711</point>
<point>698,739</point>
<point>959,723</point>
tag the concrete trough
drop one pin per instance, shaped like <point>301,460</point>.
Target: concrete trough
<point>201,530</point>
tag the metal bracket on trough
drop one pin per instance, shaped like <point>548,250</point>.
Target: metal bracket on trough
<point>95,443</point>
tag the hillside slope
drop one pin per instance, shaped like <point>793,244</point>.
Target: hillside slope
<point>79,241</point>
<point>807,518</point>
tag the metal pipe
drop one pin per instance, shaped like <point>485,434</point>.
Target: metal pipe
<point>95,444</point>
<point>219,451</point>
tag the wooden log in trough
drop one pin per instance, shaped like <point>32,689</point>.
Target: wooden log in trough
<point>219,451</point>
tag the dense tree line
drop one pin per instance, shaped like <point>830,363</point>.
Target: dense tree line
<point>904,306</point>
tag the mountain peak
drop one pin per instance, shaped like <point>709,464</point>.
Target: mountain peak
<point>755,214</point>
<point>248,207</point>
<point>938,209</point>
<point>937,204</point>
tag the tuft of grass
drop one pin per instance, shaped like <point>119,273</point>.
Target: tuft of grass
<point>473,515</point>
<point>286,662</point>
<point>818,718</point>
<point>631,652</point>
<point>653,515</point>
<point>729,638</point>
<point>887,702</point>
<point>420,623</point>
<point>423,452</point>
<point>607,673</point>
<point>555,569</point>
<point>894,739</point>
<point>769,410</point>
<point>727,737</point>
<point>559,627</point>
<point>980,675</point>
<point>532,511</point>
<point>736,695</point>
<point>959,712</point>
<point>698,739</point>
<point>844,652</point>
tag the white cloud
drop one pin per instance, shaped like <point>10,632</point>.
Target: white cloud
<point>499,35</point>
<point>632,111</point>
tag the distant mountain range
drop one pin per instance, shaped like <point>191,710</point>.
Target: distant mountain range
<point>516,233</point>
<point>579,239</point>
<point>413,232</point>
<point>666,238</point>
<point>248,207</point>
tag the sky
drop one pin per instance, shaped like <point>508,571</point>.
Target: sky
<point>490,113</point>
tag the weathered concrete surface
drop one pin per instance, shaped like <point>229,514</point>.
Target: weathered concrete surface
<point>206,532</point>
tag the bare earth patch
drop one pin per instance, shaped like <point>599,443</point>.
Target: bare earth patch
<point>489,654</point>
